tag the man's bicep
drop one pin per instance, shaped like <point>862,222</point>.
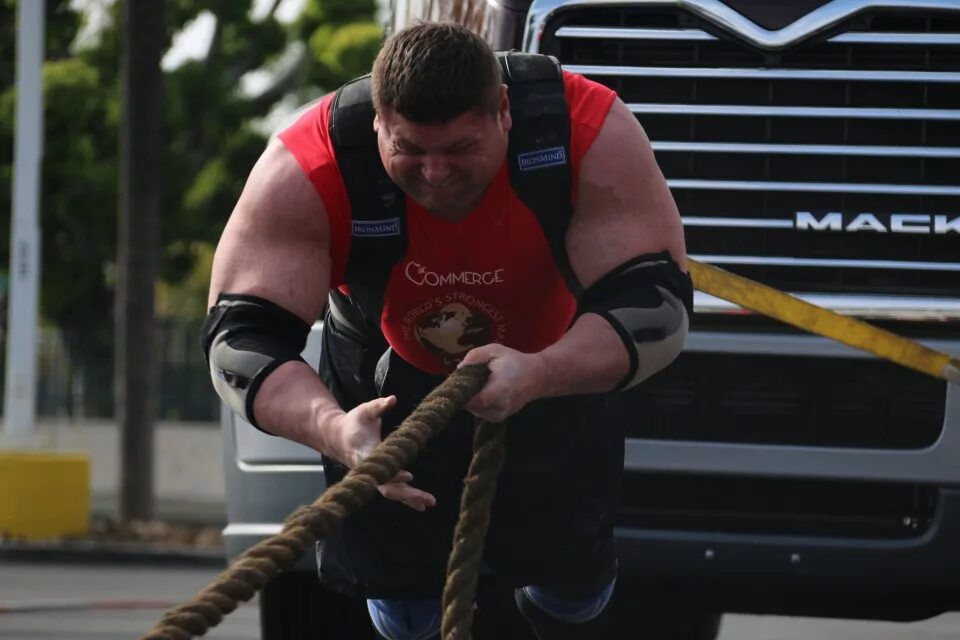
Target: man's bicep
<point>624,207</point>
<point>276,244</point>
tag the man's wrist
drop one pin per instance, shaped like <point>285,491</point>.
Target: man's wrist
<point>543,384</point>
<point>324,434</point>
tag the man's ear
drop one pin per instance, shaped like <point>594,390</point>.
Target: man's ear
<point>503,109</point>
<point>376,122</point>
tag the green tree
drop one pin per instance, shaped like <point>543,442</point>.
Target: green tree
<point>343,37</point>
<point>210,143</point>
<point>79,175</point>
<point>213,134</point>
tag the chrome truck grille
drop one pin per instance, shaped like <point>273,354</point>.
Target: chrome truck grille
<point>822,158</point>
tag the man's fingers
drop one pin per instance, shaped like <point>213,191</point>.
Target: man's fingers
<point>404,492</point>
<point>403,476</point>
<point>493,411</point>
<point>410,496</point>
<point>379,406</point>
<point>385,404</point>
<point>478,402</point>
<point>479,355</point>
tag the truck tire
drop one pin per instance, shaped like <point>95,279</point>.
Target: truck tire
<point>295,606</point>
<point>693,625</point>
<point>690,625</point>
<point>639,614</point>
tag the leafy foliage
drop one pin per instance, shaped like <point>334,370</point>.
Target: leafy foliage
<point>212,138</point>
<point>345,52</point>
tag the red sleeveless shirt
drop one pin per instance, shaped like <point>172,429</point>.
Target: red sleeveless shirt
<point>490,277</point>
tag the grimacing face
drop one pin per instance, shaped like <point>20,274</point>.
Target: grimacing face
<point>446,167</point>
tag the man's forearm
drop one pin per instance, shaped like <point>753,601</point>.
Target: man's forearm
<point>293,403</point>
<point>589,358</point>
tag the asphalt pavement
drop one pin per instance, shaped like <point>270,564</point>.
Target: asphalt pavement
<point>81,601</point>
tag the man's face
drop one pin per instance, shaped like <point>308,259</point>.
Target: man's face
<point>445,167</point>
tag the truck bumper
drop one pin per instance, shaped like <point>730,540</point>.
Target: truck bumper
<point>901,579</point>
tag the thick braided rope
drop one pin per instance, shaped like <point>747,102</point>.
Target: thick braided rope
<point>463,568</point>
<point>252,570</point>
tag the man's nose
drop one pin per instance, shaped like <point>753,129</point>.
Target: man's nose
<point>435,170</point>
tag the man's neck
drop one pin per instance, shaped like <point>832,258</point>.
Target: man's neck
<point>462,212</point>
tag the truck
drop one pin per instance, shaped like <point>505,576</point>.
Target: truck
<point>814,146</point>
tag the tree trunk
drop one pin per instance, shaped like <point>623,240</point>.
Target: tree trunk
<point>135,399</point>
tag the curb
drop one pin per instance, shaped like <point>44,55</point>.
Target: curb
<point>46,606</point>
<point>111,553</point>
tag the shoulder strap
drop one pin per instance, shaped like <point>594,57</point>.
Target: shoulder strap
<point>379,226</point>
<point>539,148</point>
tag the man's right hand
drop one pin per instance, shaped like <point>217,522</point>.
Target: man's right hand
<point>356,434</point>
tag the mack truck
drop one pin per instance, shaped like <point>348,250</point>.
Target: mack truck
<point>811,145</point>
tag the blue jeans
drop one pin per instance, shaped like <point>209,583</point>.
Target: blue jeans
<point>419,619</point>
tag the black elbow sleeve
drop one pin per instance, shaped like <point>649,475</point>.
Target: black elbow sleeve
<point>244,338</point>
<point>648,301</point>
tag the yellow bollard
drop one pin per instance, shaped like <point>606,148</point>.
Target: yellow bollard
<point>44,495</point>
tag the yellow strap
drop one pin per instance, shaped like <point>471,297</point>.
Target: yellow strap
<point>786,308</point>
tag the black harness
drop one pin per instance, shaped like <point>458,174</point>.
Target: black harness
<point>540,174</point>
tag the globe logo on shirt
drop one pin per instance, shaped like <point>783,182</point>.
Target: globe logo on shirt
<point>453,330</point>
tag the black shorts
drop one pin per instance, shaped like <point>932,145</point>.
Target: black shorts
<point>553,514</point>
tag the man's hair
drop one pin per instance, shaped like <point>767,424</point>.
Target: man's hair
<point>435,71</point>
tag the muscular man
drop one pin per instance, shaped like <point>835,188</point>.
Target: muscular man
<point>480,278</point>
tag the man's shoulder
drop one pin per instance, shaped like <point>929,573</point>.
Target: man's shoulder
<point>588,103</point>
<point>310,120</point>
<point>588,100</point>
<point>307,137</point>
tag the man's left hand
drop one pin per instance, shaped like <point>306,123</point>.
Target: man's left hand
<point>515,379</point>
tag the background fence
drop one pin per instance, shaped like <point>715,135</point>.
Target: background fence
<point>73,386</point>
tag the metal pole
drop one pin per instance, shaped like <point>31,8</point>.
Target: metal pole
<point>20,382</point>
